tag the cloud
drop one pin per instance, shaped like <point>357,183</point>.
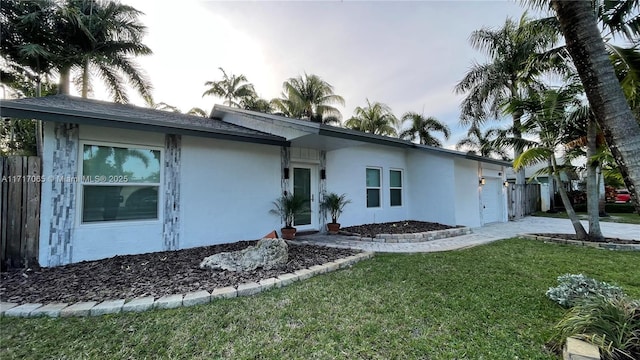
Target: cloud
<point>408,55</point>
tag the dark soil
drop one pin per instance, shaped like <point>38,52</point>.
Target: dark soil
<point>398,227</point>
<point>153,274</point>
<point>573,237</point>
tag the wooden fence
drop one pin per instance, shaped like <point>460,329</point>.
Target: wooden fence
<point>523,200</point>
<point>19,211</point>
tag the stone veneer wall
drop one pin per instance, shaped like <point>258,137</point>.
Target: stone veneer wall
<point>63,193</point>
<point>323,191</point>
<point>285,160</point>
<point>171,225</point>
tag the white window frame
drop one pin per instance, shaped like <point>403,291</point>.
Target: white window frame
<point>401,187</point>
<point>80,185</point>
<point>379,188</point>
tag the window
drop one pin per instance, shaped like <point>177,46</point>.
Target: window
<point>119,183</point>
<point>395,187</point>
<point>373,188</point>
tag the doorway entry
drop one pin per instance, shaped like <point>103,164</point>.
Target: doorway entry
<point>305,184</point>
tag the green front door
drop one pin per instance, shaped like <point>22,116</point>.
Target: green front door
<point>302,187</point>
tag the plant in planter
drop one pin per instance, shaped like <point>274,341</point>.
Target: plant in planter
<point>287,207</point>
<point>334,204</point>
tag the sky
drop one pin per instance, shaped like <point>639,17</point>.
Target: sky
<point>408,55</point>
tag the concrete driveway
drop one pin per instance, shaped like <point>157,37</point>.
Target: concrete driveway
<point>482,235</point>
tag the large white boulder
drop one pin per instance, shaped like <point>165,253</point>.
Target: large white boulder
<point>266,254</point>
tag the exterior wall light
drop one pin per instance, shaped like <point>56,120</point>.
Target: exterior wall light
<point>323,174</point>
<point>286,173</point>
<point>482,181</point>
<point>506,184</point>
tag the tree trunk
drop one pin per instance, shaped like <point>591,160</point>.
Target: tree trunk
<point>520,175</point>
<point>620,128</point>
<point>85,78</point>
<point>581,233</point>
<point>593,208</point>
<point>39,130</point>
<point>63,85</point>
<point>602,198</point>
<point>552,191</point>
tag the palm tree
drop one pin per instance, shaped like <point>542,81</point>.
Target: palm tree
<point>482,143</point>
<point>309,97</point>
<point>421,128</point>
<point>232,88</point>
<point>606,97</point>
<point>102,37</point>
<point>547,116</point>
<point>28,40</point>
<point>626,63</point>
<point>508,76</point>
<point>256,103</point>
<point>116,37</point>
<point>376,118</point>
<point>195,111</point>
<point>63,36</point>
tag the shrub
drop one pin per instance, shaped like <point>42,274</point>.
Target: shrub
<point>574,289</point>
<point>612,324</point>
<point>620,208</point>
<point>610,208</point>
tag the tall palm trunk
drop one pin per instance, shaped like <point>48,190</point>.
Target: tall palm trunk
<point>602,198</point>
<point>517,132</point>
<point>520,174</point>
<point>39,129</point>
<point>593,208</point>
<point>620,128</point>
<point>552,190</point>
<point>581,233</point>
<point>85,78</point>
<point>65,76</point>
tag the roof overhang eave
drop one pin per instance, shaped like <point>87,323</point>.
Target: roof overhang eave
<point>86,118</point>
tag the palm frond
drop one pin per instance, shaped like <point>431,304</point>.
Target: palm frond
<point>532,156</point>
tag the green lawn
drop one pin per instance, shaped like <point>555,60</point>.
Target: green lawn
<point>613,217</point>
<point>486,302</point>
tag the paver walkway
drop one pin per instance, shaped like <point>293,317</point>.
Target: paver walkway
<point>482,235</point>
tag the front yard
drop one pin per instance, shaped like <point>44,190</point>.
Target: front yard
<point>484,302</point>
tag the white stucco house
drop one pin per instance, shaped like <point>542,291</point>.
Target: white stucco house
<point>120,179</point>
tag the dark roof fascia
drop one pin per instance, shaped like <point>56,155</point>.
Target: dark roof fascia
<point>462,155</point>
<point>46,113</point>
<point>332,131</point>
<point>489,160</point>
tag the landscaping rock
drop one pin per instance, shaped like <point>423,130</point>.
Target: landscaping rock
<point>266,254</point>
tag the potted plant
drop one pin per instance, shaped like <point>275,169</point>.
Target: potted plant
<point>287,207</point>
<point>334,204</point>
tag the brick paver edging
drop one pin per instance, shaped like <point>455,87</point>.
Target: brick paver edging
<point>93,308</point>
<point>413,237</point>
<point>609,246</point>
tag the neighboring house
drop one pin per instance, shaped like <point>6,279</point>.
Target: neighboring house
<point>121,179</point>
<point>547,185</point>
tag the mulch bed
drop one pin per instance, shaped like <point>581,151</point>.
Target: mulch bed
<point>574,237</point>
<point>153,274</point>
<point>396,227</point>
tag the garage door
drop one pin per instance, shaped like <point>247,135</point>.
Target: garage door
<point>491,200</point>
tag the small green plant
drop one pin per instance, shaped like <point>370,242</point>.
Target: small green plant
<point>574,289</point>
<point>288,206</point>
<point>334,204</point>
<point>612,324</point>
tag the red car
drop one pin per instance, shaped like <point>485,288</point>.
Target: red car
<point>623,196</point>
